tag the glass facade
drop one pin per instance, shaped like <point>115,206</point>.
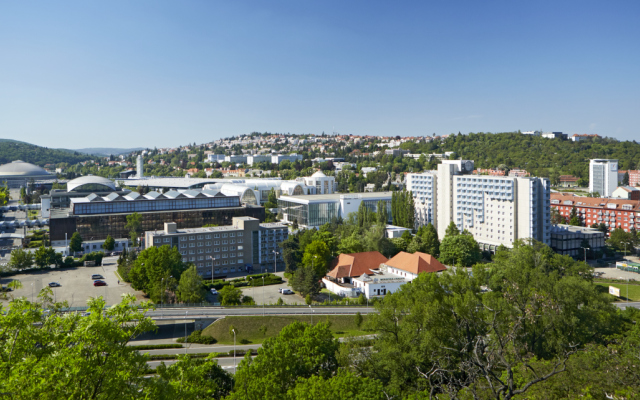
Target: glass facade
<point>314,214</point>
<point>142,205</point>
<point>373,206</point>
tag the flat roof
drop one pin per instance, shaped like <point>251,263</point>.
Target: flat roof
<point>215,228</point>
<point>337,196</point>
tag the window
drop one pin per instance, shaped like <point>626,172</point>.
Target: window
<point>192,252</point>
<point>225,262</point>
<point>200,244</point>
<point>240,261</point>
<point>216,235</point>
<point>239,233</point>
<point>199,237</point>
<point>217,250</point>
<point>207,236</point>
<point>232,241</point>
<point>233,269</point>
<point>200,251</point>
<point>183,245</point>
<point>192,238</point>
<point>200,258</point>
<point>217,270</point>
<point>225,249</point>
<point>156,241</point>
<point>224,235</point>
<point>167,240</point>
<point>225,242</point>
<point>208,243</point>
<point>239,254</point>
<point>192,245</point>
<point>232,234</point>
<point>239,240</point>
<point>216,242</point>
<point>208,250</point>
<point>192,258</point>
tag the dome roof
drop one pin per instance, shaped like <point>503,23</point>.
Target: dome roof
<point>318,174</point>
<point>75,184</point>
<point>20,168</point>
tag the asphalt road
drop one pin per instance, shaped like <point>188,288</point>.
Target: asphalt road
<point>624,305</point>
<point>227,363</point>
<point>205,312</point>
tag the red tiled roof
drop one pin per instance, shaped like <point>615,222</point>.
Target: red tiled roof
<point>416,262</point>
<point>356,264</point>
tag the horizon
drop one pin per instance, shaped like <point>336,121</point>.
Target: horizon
<point>95,75</point>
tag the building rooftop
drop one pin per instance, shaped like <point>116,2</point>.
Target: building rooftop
<point>337,196</point>
<point>569,199</point>
<point>416,262</point>
<point>355,264</point>
<point>19,169</point>
<point>218,228</point>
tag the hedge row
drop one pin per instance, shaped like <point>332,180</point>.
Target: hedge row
<point>269,279</point>
<point>157,346</point>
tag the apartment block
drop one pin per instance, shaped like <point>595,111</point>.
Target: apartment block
<point>614,213</point>
<point>497,210</point>
<point>245,247</point>
<point>603,176</point>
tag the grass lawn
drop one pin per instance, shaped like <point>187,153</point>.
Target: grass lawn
<point>33,214</point>
<point>249,327</point>
<point>634,290</point>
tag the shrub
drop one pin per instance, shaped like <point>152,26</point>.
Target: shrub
<point>245,341</point>
<point>197,337</point>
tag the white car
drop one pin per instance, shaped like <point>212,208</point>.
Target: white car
<point>214,291</point>
<point>287,291</point>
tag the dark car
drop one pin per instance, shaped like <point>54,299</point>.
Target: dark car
<point>54,284</point>
<point>97,276</point>
<point>99,283</point>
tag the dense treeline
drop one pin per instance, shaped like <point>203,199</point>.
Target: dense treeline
<point>12,150</point>
<point>540,156</point>
<point>531,325</point>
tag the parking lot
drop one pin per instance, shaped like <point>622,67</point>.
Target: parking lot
<point>76,284</point>
<point>270,294</point>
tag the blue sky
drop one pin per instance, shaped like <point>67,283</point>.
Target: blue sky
<point>164,73</point>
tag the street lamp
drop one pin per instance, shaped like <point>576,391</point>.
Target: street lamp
<point>312,312</point>
<point>585,253</point>
<point>32,291</point>
<point>212,260</point>
<point>234,350</point>
<point>627,288</point>
<point>275,259</point>
<point>186,313</point>
<point>263,296</point>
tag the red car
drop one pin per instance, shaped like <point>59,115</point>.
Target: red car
<point>99,283</point>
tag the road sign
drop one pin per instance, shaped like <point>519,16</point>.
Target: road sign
<point>614,291</point>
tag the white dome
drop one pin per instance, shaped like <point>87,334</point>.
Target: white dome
<point>20,168</point>
<point>91,183</point>
<point>318,174</point>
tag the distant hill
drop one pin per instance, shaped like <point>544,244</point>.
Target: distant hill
<point>11,150</point>
<point>105,151</point>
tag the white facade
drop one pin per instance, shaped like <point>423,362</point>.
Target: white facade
<point>278,158</point>
<point>236,159</point>
<point>603,176</point>
<point>323,184</point>
<point>215,157</point>
<point>251,160</point>
<point>386,280</point>
<point>497,210</point>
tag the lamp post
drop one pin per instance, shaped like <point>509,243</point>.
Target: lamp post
<point>263,296</point>
<point>186,313</point>
<point>627,288</point>
<point>212,260</point>
<point>32,291</point>
<point>585,253</point>
<point>275,259</point>
<point>254,289</point>
<point>234,350</point>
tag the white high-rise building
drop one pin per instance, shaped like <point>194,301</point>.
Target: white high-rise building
<point>139,167</point>
<point>497,210</point>
<point>603,176</point>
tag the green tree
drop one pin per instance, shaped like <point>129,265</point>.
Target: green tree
<point>109,243</point>
<point>381,212</point>
<point>75,244</point>
<point>416,245</point>
<point>460,250</point>
<point>152,266</point>
<point>358,319</point>
<point>306,281</point>
<point>344,385</point>
<point>299,351</point>
<point>351,244</point>
<point>431,241</point>
<point>134,225</point>
<point>45,256</point>
<point>272,201</point>
<point>191,378</point>
<point>20,259</point>
<point>574,218</point>
<point>291,253</point>
<point>190,288</point>
<point>452,230</point>
<point>316,255</point>
<point>556,217</point>
<point>81,357</point>
<point>625,178</point>
<point>621,240</point>
<point>229,295</point>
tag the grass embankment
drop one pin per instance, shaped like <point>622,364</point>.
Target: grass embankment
<point>249,327</point>
<point>634,290</point>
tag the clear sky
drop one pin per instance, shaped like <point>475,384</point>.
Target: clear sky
<point>165,73</point>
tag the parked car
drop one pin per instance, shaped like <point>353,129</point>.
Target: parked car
<point>86,314</point>
<point>214,292</point>
<point>287,291</point>
<point>5,289</point>
<point>54,284</point>
<point>99,283</point>
<point>97,276</point>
